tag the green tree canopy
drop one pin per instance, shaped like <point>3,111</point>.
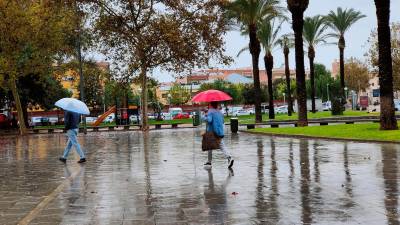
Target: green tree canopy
<point>94,80</point>
<point>171,35</point>
<point>179,95</point>
<point>323,82</point>
<point>372,53</point>
<point>233,90</point>
<point>32,34</point>
<point>356,75</point>
<point>248,94</point>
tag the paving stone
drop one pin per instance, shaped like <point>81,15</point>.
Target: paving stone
<point>158,178</point>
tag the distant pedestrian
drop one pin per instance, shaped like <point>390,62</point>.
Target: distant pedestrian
<point>215,123</point>
<point>71,121</point>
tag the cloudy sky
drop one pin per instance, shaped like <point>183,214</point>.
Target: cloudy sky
<point>356,38</point>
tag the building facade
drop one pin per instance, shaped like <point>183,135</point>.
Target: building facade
<point>194,80</point>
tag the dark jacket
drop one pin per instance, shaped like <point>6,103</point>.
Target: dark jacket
<point>71,120</point>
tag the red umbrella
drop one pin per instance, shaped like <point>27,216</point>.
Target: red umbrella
<point>211,96</point>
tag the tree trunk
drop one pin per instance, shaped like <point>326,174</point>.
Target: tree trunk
<point>311,56</point>
<point>269,62</point>
<point>14,90</point>
<point>388,118</point>
<point>287,75</point>
<point>255,49</point>
<point>24,106</point>
<point>342,45</point>
<point>298,21</point>
<point>145,125</point>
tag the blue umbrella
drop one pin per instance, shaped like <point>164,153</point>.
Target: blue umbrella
<point>73,105</point>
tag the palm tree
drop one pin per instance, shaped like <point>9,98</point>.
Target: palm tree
<point>268,36</point>
<point>388,118</point>
<point>341,21</point>
<point>313,33</point>
<point>297,8</point>
<point>286,42</point>
<point>248,13</point>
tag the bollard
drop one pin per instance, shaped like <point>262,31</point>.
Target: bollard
<point>234,125</point>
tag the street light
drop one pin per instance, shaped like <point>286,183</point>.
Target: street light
<point>140,105</point>
<point>327,91</point>
<point>345,91</point>
<point>353,100</point>
<point>284,95</point>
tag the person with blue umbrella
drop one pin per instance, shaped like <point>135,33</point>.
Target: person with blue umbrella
<point>73,110</point>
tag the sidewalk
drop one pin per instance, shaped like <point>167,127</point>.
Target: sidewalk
<point>159,179</point>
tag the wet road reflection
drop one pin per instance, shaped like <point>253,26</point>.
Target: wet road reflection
<point>306,217</point>
<point>158,178</point>
<point>390,177</point>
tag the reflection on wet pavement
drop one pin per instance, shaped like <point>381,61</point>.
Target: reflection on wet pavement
<point>158,178</point>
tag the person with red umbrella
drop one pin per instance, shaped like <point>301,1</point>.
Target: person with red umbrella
<point>215,120</point>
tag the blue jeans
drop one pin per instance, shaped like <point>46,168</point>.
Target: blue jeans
<point>72,141</point>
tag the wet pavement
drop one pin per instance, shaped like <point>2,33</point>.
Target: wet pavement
<point>131,178</point>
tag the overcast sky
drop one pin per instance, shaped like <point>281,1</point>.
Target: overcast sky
<point>356,38</point>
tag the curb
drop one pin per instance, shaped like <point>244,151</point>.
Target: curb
<point>16,134</point>
<point>322,138</point>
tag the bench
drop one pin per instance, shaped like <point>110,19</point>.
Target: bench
<point>174,125</point>
<point>251,126</point>
<point>49,130</point>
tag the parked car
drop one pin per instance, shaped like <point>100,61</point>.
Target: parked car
<point>151,116</point>
<point>91,119</point>
<point>175,111</point>
<point>397,104</point>
<point>134,118</point>
<point>182,115</point>
<point>167,116</point>
<point>327,106</point>
<point>4,121</point>
<point>241,112</point>
<point>251,111</point>
<point>281,109</point>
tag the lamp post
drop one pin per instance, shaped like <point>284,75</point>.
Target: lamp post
<point>169,100</point>
<point>284,95</point>
<point>345,91</point>
<point>140,105</point>
<point>327,91</point>
<point>80,61</point>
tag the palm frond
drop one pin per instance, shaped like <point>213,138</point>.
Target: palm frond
<point>314,30</point>
<point>341,20</point>
<point>286,40</point>
<point>268,33</point>
<point>251,11</point>
<point>244,49</point>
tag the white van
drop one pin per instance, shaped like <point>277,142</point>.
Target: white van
<point>174,111</point>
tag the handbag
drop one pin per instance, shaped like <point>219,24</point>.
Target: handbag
<point>210,141</point>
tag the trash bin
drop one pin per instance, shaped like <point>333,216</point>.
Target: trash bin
<point>234,125</point>
<point>196,119</point>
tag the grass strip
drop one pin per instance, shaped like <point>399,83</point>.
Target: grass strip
<point>367,131</point>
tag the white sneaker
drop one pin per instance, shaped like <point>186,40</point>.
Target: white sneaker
<point>207,165</point>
